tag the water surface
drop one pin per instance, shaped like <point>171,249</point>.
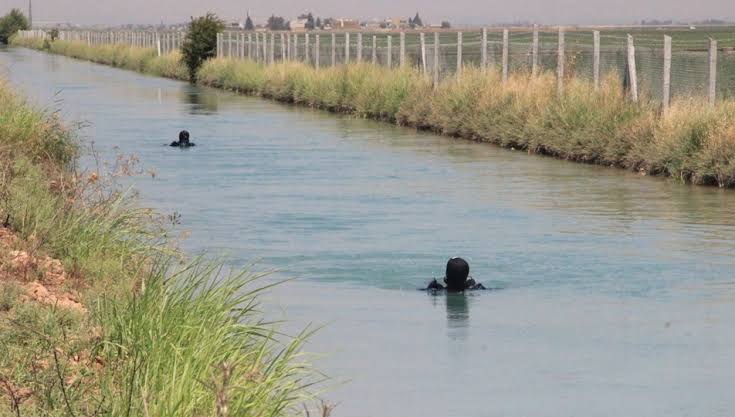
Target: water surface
<point>616,290</point>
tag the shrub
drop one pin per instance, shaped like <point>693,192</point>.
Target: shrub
<point>201,42</point>
<point>11,23</point>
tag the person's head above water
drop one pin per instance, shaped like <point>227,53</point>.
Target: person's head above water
<point>183,141</point>
<point>184,137</point>
<point>457,272</point>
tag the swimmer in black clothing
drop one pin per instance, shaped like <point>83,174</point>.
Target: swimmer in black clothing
<point>456,278</point>
<point>183,141</point>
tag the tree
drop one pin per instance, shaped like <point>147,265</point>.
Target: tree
<point>416,22</point>
<point>277,23</point>
<point>318,23</point>
<point>446,24</point>
<point>310,25</point>
<point>54,34</point>
<point>11,23</point>
<point>201,42</point>
<point>249,23</point>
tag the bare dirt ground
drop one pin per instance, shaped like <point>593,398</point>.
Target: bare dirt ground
<point>41,277</point>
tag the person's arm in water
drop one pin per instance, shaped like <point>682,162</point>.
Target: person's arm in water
<point>434,285</point>
<point>471,284</point>
<point>174,143</point>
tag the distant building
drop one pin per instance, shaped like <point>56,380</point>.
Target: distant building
<point>341,24</point>
<point>373,24</point>
<point>397,23</point>
<point>298,25</point>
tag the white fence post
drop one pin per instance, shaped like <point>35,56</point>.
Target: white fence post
<point>347,47</point>
<point>667,75</point>
<point>632,74</point>
<point>389,61</point>
<point>289,53</point>
<point>422,39</point>
<point>307,56</point>
<point>402,56</point>
<point>505,54</point>
<point>271,56</point>
<point>483,50</point>
<point>534,52</point>
<point>375,50</point>
<point>359,47</point>
<point>712,90</point>
<point>250,46</point>
<point>317,49</point>
<point>334,49</point>
<point>596,59</point>
<point>436,59</point>
<point>560,63</point>
<point>257,47</point>
<point>459,54</point>
<point>283,47</point>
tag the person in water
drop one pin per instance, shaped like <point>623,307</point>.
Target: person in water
<point>183,141</point>
<point>457,278</point>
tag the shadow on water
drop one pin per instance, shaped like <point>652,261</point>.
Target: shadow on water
<point>457,307</point>
<point>458,310</point>
<point>200,100</point>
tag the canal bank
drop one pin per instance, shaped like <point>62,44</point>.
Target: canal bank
<point>692,143</point>
<point>100,313</point>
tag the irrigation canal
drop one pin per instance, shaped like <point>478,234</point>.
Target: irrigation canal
<point>617,290</point>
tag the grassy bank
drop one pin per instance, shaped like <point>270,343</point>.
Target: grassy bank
<point>97,314</point>
<point>693,143</point>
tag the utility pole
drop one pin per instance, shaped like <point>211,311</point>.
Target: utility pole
<point>30,14</point>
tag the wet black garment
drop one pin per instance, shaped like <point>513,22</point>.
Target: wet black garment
<point>182,145</point>
<point>470,284</point>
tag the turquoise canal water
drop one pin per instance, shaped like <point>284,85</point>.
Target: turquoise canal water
<point>615,292</point>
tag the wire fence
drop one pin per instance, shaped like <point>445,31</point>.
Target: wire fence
<point>652,66</point>
<point>696,68</point>
<point>164,41</point>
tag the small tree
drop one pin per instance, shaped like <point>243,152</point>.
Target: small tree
<point>416,22</point>
<point>201,42</point>
<point>249,23</point>
<point>310,25</point>
<point>12,23</point>
<point>318,23</point>
<point>277,23</point>
<point>446,24</point>
<point>54,34</point>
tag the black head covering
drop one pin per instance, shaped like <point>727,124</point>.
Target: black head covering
<point>457,272</point>
<point>184,137</point>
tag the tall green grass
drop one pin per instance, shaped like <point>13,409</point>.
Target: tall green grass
<point>159,338</point>
<point>693,143</point>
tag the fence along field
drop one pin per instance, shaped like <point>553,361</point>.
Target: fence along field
<point>654,65</point>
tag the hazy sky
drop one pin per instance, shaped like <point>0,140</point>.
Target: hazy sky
<point>457,11</point>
